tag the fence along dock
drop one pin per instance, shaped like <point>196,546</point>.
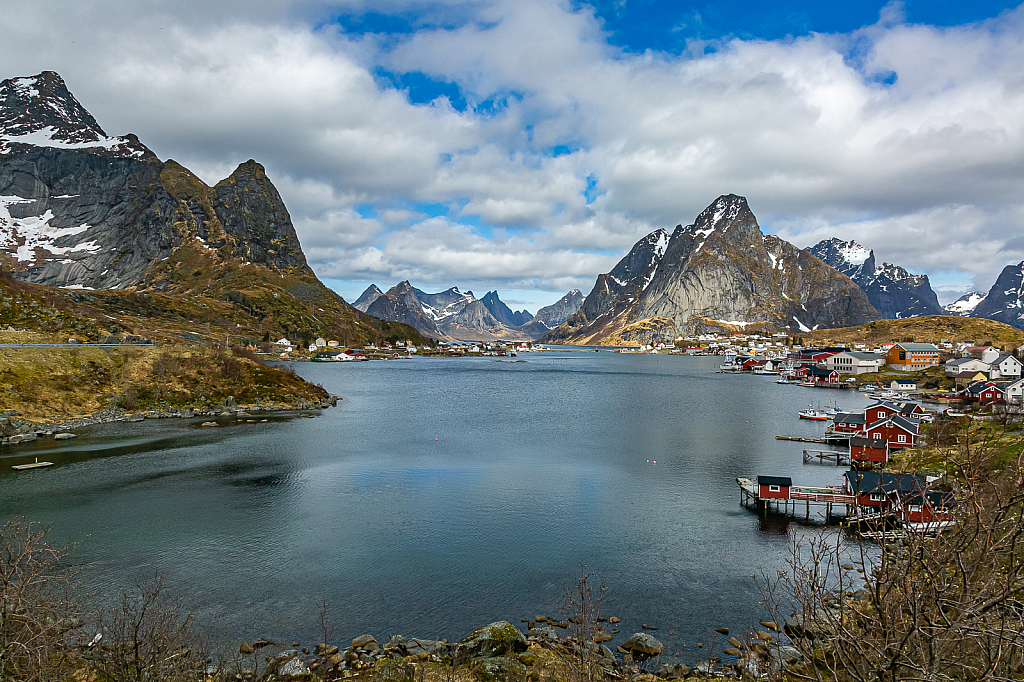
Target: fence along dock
<point>829,497</point>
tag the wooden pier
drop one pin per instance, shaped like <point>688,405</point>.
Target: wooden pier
<point>828,497</point>
<point>823,456</point>
<point>827,439</point>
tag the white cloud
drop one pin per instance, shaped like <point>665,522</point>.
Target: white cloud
<point>925,169</point>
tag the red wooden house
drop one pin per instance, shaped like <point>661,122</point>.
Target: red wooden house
<point>882,489</point>
<point>984,392</point>
<point>880,410</point>
<point>899,432</point>
<point>926,507</point>
<point>822,376</point>
<point>869,450</point>
<point>774,487</point>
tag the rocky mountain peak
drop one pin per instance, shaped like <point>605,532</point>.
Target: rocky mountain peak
<point>721,214</point>
<point>40,111</point>
<point>893,291</point>
<point>1005,300</point>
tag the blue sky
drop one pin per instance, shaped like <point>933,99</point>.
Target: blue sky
<point>525,145</point>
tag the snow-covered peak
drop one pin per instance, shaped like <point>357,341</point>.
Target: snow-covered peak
<point>39,111</point>
<point>966,304</point>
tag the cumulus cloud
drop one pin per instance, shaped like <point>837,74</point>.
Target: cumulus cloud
<point>908,138</point>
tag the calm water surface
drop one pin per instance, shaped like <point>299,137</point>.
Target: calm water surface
<point>442,494</point>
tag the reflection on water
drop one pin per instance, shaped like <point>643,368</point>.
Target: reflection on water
<point>443,494</point>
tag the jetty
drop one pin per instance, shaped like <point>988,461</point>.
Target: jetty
<point>823,456</point>
<point>779,493</point>
<point>828,439</point>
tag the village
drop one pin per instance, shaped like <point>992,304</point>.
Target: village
<point>879,503</point>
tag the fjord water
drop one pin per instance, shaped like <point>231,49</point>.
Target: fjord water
<point>443,494</point>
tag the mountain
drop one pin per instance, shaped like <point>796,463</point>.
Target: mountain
<point>894,292</point>
<point>718,273</point>
<point>502,313</point>
<point>371,294</point>
<point>452,315</point>
<point>551,316</point>
<point>965,305</point>
<point>82,210</point>
<point>1005,300</point>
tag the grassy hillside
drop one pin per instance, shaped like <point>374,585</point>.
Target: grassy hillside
<point>66,383</point>
<point>927,329</point>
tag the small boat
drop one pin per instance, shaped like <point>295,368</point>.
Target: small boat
<point>34,465</point>
<point>811,413</point>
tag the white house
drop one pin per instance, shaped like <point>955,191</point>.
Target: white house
<point>903,385</point>
<point>1014,392</point>
<point>987,354</point>
<point>1005,366</point>
<point>965,364</point>
<point>854,362</point>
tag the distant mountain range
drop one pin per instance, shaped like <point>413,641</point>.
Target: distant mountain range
<point>894,292</point>
<point>453,315</point>
<point>718,273</point>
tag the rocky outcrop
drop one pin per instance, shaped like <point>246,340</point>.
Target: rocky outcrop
<point>894,292</point>
<point>502,313</point>
<point>719,273</point>
<point>400,304</point>
<point>371,294</point>
<point>561,310</point>
<point>1005,300</point>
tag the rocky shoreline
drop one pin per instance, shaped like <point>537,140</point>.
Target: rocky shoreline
<point>501,652</point>
<point>15,429</point>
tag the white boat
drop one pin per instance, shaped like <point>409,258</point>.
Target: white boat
<point>813,414</point>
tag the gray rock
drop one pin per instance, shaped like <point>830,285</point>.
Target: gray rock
<point>210,424</point>
<point>363,640</point>
<point>136,417</point>
<point>64,436</point>
<point>643,645</point>
<point>544,634</point>
<point>504,669</point>
<point>293,668</point>
<point>496,639</point>
<point>187,413</point>
<point>425,646</point>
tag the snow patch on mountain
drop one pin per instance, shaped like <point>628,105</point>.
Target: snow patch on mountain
<point>24,235</point>
<point>966,304</point>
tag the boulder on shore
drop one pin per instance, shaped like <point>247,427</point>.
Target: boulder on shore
<point>496,639</point>
<point>643,645</point>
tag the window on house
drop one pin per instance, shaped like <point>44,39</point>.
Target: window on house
<point>774,489</point>
<point>875,497</point>
<point>902,438</point>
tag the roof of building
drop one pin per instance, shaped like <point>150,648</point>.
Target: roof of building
<point>1002,358</point>
<point>848,418</point>
<point>819,372</point>
<point>936,499</point>
<point>774,480</point>
<point>886,481</point>
<point>861,355</point>
<point>887,404</point>
<point>918,346</point>
<point>860,441</point>
<point>904,381</point>
<point>911,426</point>
<point>970,374</point>
<point>980,386</point>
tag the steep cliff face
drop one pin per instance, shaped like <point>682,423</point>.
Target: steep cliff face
<point>894,292</point>
<point>80,209</point>
<point>720,272</point>
<point>1005,300</point>
<point>371,294</point>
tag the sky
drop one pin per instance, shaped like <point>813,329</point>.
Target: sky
<point>526,145</point>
